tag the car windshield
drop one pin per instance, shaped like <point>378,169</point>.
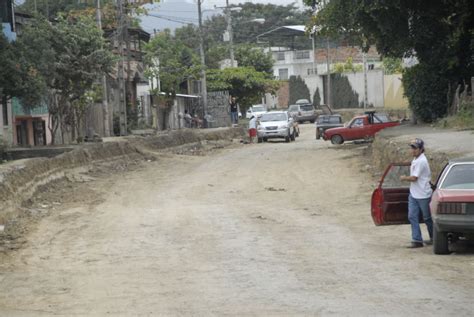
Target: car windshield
<point>460,176</point>
<point>273,117</point>
<point>381,118</point>
<point>258,108</point>
<point>307,108</point>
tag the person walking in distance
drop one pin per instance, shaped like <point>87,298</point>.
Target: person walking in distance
<point>234,111</point>
<point>252,129</point>
<point>420,194</point>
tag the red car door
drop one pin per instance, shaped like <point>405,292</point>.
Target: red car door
<point>356,130</point>
<point>389,204</point>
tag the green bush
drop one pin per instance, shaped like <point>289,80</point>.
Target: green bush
<point>298,89</point>
<point>343,96</point>
<point>316,98</point>
<point>426,90</point>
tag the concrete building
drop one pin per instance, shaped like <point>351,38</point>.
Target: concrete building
<point>7,20</point>
<point>311,59</point>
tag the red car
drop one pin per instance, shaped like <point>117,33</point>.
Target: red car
<point>359,128</point>
<point>452,203</point>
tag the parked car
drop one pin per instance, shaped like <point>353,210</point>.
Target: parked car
<point>255,110</point>
<point>325,122</point>
<point>360,128</point>
<point>452,203</point>
<point>303,112</point>
<point>276,124</point>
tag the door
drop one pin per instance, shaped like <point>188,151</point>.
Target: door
<point>389,204</point>
<point>357,129</point>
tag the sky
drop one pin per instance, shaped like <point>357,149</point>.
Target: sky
<point>176,13</point>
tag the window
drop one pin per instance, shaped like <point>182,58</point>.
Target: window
<point>312,71</point>
<point>302,54</point>
<point>283,73</point>
<point>307,108</point>
<point>280,56</point>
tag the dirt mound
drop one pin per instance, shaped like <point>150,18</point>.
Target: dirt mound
<point>19,183</point>
<point>384,150</point>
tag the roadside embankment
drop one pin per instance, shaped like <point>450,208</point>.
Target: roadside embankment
<point>20,180</point>
<point>391,145</point>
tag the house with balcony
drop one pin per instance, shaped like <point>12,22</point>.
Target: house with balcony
<point>295,53</point>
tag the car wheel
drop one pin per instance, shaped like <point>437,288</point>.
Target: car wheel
<point>318,136</point>
<point>265,140</point>
<point>337,139</point>
<point>293,136</point>
<point>440,242</point>
<point>288,138</point>
<point>259,140</point>
<point>312,121</point>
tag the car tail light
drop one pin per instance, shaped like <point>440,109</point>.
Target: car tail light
<point>451,208</point>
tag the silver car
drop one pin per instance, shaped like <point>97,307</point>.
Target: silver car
<point>276,124</point>
<point>303,112</point>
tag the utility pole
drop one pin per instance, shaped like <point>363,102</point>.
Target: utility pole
<point>105,102</point>
<point>203,61</point>
<point>364,59</point>
<point>231,34</point>
<point>328,65</point>
<point>122,25</point>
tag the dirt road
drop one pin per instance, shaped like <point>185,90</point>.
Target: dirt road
<point>267,229</point>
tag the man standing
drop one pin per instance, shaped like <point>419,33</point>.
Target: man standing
<point>420,194</point>
<point>234,111</point>
<point>252,129</point>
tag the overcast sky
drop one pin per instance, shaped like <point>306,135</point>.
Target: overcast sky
<point>176,13</point>
<point>222,2</point>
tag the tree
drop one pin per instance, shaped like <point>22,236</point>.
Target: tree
<point>437,32</point>
<point>298,89</point>
<point>343,94</point>
<point>69,58</point>
<point>251,56</point>
<point>245,30</point>
<point>245,83</point>
<point>18,76</point>
<point>316,98</point>
<point>177,62</point>
<point>392,65</point>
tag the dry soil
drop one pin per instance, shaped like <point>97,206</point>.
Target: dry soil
<point>263,229</point>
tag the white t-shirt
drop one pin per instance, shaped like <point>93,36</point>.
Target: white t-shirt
<point>421,189</point>
<point>253,123</point>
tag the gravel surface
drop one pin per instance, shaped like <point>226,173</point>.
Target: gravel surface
<point>263,229</point>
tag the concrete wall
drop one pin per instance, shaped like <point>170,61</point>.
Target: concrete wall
<point>375,86</point>
<point>384,91</point>
<point>394,92</point>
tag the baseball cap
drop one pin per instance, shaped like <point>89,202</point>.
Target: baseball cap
<point>417,144</point>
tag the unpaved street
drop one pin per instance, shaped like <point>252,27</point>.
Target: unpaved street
<point>264,229</point>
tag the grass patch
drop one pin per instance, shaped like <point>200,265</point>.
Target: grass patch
<point>464,120</point>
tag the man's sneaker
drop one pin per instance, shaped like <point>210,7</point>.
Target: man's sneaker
<point>428,242</point>
<point>415,245</point>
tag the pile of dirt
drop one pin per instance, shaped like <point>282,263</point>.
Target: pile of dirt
<point>21,182</point>
<point>384,150</point>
